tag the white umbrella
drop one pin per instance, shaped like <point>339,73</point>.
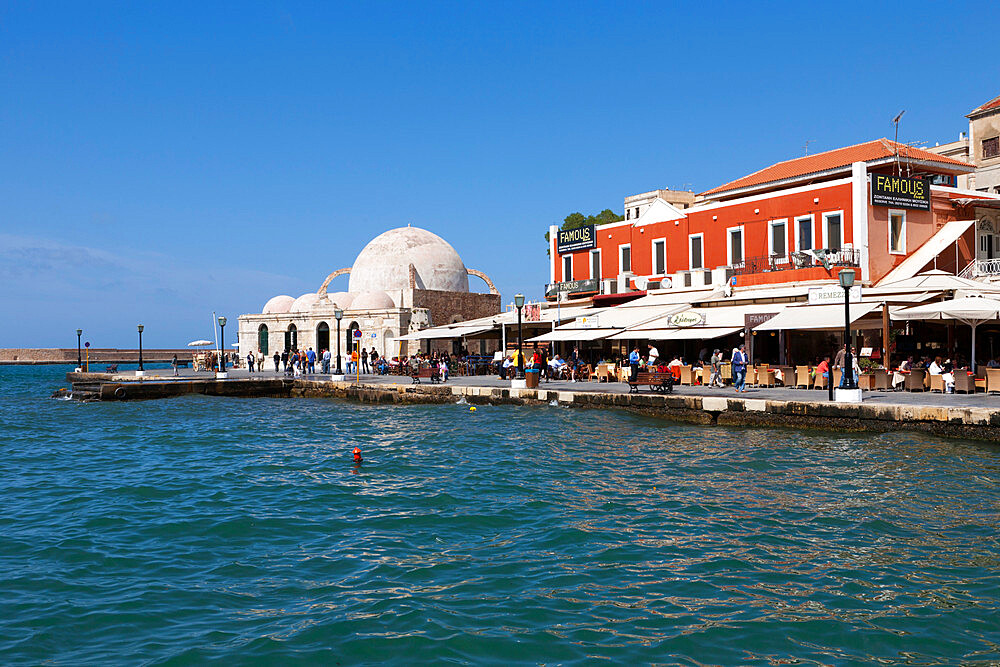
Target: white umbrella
<point>199,343</point>
<point>937,280</point>
<point>971,310</point>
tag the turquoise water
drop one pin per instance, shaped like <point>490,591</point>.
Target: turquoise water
<point>197,529</point>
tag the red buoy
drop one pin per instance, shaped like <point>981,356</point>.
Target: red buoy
<point>357,455</point>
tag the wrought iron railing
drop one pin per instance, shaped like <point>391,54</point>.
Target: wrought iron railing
<point>981,267</point>
<point>797,260</point>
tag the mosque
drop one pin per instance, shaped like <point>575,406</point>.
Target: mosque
<point>404,280</point>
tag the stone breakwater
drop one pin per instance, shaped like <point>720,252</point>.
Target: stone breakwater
<point>959,422</point>
<point>31,356</point>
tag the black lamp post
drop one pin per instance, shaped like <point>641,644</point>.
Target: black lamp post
<point>338,315</point>
<point>141,370</point>
<point>519,302</point>
<point>846,278</point>
<point>222,338</point>
<point>79,352</point>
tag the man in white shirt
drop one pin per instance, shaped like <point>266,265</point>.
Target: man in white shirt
<point>654,354</point>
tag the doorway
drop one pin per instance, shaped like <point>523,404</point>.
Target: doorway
<point>322,337</point>
<point>291,338</point>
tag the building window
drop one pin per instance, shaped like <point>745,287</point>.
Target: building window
<point>595,264</point>
<point>833,231</point>
<point>735,246</point>
<point>567,267</point>
<point>804,233</point>
<point>636,211</point>
<point>777,240</point>
<point>624,258</point>
<point>659,257</point>
<point>695,258</point>
<point>628,214</point>
<point>897,232</point>
<point>991,148</point>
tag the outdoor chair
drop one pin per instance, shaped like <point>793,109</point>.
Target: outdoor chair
<point>836,377</point>
<point>992,380</point>
<point>765,377</point>
<point>726,371</point>
<point>801,377</point>
<point>686,375</point>
<point>883,380</point>
<point>819,382</point>
<point>937,383</point>
<point>587,372</point>
<point>603,373</point>
<point>964,382</point>
<point>915,380</point>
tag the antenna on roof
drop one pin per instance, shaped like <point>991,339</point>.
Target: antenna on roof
<point>895,148</point>
<point>808,141</point>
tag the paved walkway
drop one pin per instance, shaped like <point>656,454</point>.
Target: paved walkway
<point>923,399</point>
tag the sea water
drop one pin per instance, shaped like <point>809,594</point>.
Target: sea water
<point>240,530</point>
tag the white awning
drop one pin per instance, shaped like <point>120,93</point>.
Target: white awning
<point>826,316</point>
<point>445,332</point>
<point>926,253</point>
<point>572,335</point>
<point>690,333</point>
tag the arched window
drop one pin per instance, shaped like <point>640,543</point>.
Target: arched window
<point>322,337</point>
<point>262,339</point>
<point>291,338</point>
<point>388,344</point>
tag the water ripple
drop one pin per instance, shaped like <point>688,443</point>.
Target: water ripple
<point>203,529</point>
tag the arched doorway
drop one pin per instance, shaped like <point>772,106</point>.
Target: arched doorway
<point>262,339</point>
<point>291,338</point>
<point>388,344</point>
<point>322,337</point>
<point>349,338</point>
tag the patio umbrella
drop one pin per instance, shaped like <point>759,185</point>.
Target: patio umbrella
<point>938,281</point>
<point>971,310</point>
<point>199,343</point>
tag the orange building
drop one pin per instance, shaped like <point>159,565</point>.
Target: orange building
<point>875,207</point>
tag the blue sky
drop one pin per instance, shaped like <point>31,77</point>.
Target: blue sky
<point>161,161</point>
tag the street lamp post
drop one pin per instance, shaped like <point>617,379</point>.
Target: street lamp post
<point>846,278</point>
<point>79,352</point>
<point>222,351</point>
<point>141,371</point>
<point>519,302</point>
<point>338,315</point>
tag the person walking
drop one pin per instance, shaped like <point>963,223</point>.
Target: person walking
<point>715,380</point>
<point>633,362</point>
<point>277,361</point>
<point>311,357</point>
<point>326,361</point>
<point>173,364</point>
<point>284,360</point>
<point>250,361</point>
<point>740,368</point>
<point>364,361</point>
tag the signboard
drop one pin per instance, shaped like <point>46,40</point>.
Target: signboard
<point>586,323</point>
<point>901,192</point>
<point>357,333</point>
<point>689,318</point>
<point>373,335</point>
<point>754,320</point>
<point>832,294</point>
<point>573,287</point>
<point>533,312</point>
<point>572,240</point>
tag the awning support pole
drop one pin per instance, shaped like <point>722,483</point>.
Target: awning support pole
<point>885,337</point>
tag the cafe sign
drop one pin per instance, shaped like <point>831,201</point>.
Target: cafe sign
<point>688,318</point>
<point>573,240</point>
<point>901,192</point>
<point>572,287</point>
<point>832,294</point>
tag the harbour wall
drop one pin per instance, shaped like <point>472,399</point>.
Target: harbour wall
<point>30,356</point>
<point>971,423</point>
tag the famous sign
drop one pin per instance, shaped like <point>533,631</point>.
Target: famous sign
<point>901,192</point>
<point>572,240</point>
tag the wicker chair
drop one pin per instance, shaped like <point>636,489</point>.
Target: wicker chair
<point>964,382</point>
<point>801,377</point>
<point>992,380</point>
<point>915,380</point>
<point>686,376</point>
<point>937,383</point>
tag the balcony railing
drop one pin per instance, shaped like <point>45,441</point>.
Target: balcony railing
<point>981,267</point>
<point>797,260</point>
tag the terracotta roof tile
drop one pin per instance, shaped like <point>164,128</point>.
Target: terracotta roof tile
<point>992,104</point>
<point>840,157</point>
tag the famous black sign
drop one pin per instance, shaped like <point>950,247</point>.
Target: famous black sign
<point>581,238</point>
<point>901,192</point>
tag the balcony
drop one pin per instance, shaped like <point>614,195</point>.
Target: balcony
<point>824,258</point>
<point>983,269</point>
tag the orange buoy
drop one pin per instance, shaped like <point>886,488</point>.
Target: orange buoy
<point>357,455</point>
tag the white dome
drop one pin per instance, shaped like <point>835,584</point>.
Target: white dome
<point>304,303</point>
<point>342,299</point>
<point>384,263</point>
<point>376,300</point>
<point>278,304</point>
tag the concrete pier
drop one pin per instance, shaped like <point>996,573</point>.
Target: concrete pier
<point>811,411</point>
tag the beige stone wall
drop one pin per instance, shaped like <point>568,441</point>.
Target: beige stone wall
<point>24,355</point>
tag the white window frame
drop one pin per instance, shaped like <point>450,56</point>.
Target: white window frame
<point>652,257</point>
<point>567,276</point>
<point>729,245</point>
<point>622,269</point>
<point>691,237</point>
<point>902,234</point>
<point>783,259</point>
<point>826,229</point>
<point>599,266</point>
<point>812,231</point>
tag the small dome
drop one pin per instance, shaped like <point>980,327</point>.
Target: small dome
<point>342,299</point>
<point>304,303</point>
<point>376,300</point>
<point>278,304</point>
<point>384,264</point>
